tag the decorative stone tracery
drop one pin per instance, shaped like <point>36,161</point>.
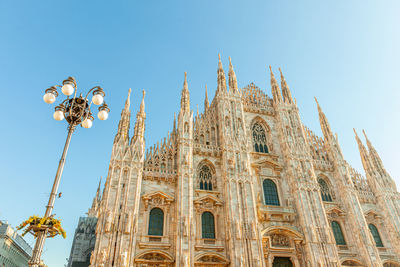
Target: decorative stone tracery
<point>154,258</point>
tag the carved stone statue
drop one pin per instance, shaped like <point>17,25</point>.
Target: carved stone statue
<point>238,235</point>
<point>184,226</point>
<point>124,259</point>
<point>278,240</point>
<point>128,222</point>
<point>103,256</point>
<point>107,227</point>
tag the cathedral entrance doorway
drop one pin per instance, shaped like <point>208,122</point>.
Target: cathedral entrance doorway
<point>282,262</point>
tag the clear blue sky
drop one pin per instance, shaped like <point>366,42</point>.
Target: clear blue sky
<point>344,52</point>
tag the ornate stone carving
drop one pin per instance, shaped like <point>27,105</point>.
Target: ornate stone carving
<point>124,259</point>
<point>128,222</point>
<point>157,199</point>
<point>108,224</point>
<point>103,257</point>
<point>279,240</point>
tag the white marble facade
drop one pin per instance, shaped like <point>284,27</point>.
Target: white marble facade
<point>245,183</point>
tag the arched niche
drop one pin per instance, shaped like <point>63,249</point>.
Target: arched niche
<point>258,127</point>
<point>282,242</point>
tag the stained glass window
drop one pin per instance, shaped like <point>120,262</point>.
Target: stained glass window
<point>156,222</point>
<point>375,234</point>
<point>337,233</point>
<point>259,139</point>
<point>205,178</point>
<point>270,193</point>
<point>325,190</point>
<point>207,225</point>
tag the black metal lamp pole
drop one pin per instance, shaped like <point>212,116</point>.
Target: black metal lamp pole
<point>75,110</point>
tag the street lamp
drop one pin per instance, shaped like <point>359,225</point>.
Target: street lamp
<point>75,110</point>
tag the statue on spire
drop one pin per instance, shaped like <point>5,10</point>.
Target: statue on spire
<point>276,92</point>
<point>140,118</point>
<point>124,123</point>
<point>232,78</point>
<point>325,127</point>
<point>287,95</point>
<point>221,80</point>
<point>206,103</point>
<point>185,97</point>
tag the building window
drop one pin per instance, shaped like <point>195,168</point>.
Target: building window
<point>207,225</point>
<point>205,178</point>
<point>156,222</point>
<point>376,236</point>
<point>270,193</point>
<point>259,139</point>
<point>337,233</point>
<point>325,190</point>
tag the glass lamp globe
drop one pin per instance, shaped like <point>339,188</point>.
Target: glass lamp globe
<point>58,115</point>
<point>87,123</point>
<point>49,98</point>
<point>102,115</point>
<point>67,89</point>
<point>97,99</point>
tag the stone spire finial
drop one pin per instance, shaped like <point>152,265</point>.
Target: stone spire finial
<point>363,154</point>
<point>94,210</point>
<point>185,97</point>
<point>232,78</point>
<point>174,122</point>
<point>221,80</point>
<point>374,156</point>
<point>287,95</point>
<point>128,100</point>
<point>140,119</point>
<point>325,127</point>
<point>276,92</point>
<point>98,194</point>
<point>142,103</point>
<point>124,123</point>
<point>206,103</point>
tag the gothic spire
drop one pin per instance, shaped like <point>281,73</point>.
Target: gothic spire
<point>364,155</point>
<point>232,78</point>
<point>174,130</point>
<point>325,127</point>
<point>123,125</point>
<point>276,92</point>
<point>206,103</point>
<point>185,97</point>
<point>221,76</point>
<point>374,155</point>
<point>98,194</point>
<point>140,118</point>
<point>93,211</point>
<point>287,95</point>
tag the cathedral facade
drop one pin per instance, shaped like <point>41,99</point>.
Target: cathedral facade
<point>245,183</point>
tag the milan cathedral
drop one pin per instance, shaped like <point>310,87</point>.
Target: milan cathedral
<point>244,184</point>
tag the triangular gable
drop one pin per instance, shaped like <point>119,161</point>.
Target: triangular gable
<point>207,198</point>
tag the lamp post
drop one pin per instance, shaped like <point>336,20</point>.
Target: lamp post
<point>75,110</point>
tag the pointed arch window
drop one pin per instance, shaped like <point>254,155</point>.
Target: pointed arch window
<point>325,190</point>
<point>337,233</point>
<point>207,225</point>
<point>270,193</point>
<point>205,178</point>
<point>259,138</point>
<point>375,235</point>
<point>156,222</point>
